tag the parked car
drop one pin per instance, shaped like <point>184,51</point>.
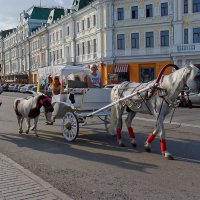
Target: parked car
<point>194,97</point>
<point>20,85</point>
<point>26,88</point>
<point>1,89</point>
<point>34,89</point>
<point>15,88</point>
<point>5,86</point>
<point>11,86</point>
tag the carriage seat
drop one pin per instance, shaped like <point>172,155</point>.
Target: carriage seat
<point>77,84</point>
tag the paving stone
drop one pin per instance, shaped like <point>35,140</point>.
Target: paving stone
<point>17,183</point>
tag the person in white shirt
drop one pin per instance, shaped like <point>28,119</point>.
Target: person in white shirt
<point>94,78</point>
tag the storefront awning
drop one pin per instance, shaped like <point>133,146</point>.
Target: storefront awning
<point>121,68</point>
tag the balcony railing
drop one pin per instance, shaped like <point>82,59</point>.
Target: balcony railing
<point>186,48</point>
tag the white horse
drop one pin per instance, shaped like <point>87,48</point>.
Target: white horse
<point>158,104</point>
<point>30,109</point>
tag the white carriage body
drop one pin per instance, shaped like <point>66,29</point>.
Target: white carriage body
<point>89,100</point>
<point>86,99</point>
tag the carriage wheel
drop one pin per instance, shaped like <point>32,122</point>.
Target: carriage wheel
<point>70,126</point>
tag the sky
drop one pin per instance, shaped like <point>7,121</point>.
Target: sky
<point>10,10</point>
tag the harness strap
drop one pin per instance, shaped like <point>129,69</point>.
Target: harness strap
<point>173,104</point>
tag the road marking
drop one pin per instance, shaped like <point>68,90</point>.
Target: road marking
<point>168,122</point>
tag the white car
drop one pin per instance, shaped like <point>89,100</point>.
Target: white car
<point>194,97</point>
<point>26,88</point>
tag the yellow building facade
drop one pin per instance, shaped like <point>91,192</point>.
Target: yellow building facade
<point>141,36</point>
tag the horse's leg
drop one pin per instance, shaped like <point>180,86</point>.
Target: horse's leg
<point>28,124</point>
<point>159,129</point>
<point>163,146</point>
<point>147,144</point>
<point>128,121</point>
<point>19,118</point>
<point>149,140</point>
<point>119,113</point>
<point>35,125</point>
<point>32,128</point>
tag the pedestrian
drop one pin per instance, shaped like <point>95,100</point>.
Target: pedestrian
<point>94,78</point>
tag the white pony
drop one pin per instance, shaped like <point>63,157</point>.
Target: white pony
<point>159,103</point>
<point>30,109</point>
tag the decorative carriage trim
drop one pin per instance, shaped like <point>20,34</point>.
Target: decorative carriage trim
<point>121,68</point>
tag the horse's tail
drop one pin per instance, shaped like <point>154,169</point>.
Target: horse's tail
<point>113,117</point>
<point>16,103</point>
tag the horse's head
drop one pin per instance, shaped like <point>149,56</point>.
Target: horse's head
<point>193,78</point>
<point>46,102</point>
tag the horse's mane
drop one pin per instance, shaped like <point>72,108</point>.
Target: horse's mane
<point>35,101</point>
<point>35,108</point>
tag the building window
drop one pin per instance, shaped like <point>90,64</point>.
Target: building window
<point>185,36</point>
<point>56,36</point>
<point>61,53</point>
<point>164,9</point>
<point>88,22</point>
<point>121,41</point>
<point>120,13</point>
<point>196,35</point>
<point>149,10</point>
<point>83,48</point>
<point>60,34</point>
<point>147,74</point>
<point>164,38</point>
<point>78,50</point>
<point>135,40</point>
<point>83,25</point>
<point>88,47</point>
<point>94,20</point>
<point>196,6</point>
<point>185,6</point>
<point>68,30</point>
<point>78,27</point>
<point>95,45</point>
<point>149,40</point>
<point>134,12</point>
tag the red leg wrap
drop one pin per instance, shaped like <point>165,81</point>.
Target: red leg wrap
<point>151,138</point>
<point>131,132</point>
<point>119,135</point>
<point>163,145</point>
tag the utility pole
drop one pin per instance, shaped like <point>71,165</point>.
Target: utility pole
<point>40,3</point>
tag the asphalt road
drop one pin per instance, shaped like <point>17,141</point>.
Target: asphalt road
<point>94,167</point>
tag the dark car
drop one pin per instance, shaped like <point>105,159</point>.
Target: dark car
<point>5,86</point>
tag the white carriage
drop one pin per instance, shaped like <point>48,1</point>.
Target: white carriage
<point>87,100</point>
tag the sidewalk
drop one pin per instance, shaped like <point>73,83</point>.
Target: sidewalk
<point>17,183</point>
